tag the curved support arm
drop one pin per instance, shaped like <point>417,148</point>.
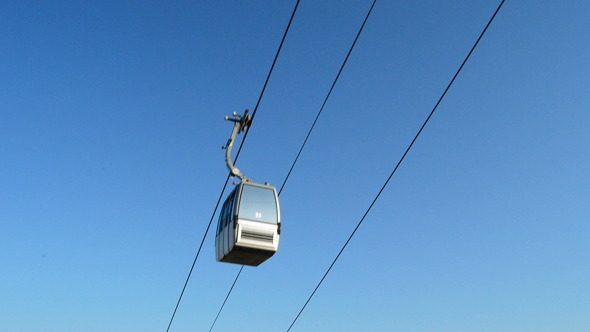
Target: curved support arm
<point>241,122</point>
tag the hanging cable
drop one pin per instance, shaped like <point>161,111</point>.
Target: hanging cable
<point>235,159</point>
<point>303,144</point>
<point>328,95</point>
<point>223,305</point>
<point>268,77</point>
<point>398,163</point>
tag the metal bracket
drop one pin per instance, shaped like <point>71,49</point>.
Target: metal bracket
<point>241,122</point>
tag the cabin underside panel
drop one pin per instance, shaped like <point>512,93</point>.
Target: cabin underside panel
<point>247,256</point>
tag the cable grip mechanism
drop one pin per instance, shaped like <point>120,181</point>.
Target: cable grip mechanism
<point>241,123</point>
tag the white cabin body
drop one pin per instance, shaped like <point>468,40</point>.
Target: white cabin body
<point>249,224</point>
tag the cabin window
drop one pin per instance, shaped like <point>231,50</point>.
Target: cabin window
<point>227,212</point>
<point>221,218</point>
<point>258,204</point>
<point>229,208</point>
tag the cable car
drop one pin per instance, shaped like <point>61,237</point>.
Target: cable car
<point>249,225</point>
<point>250,220</point>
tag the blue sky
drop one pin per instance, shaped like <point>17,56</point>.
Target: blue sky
<point>111,123</point>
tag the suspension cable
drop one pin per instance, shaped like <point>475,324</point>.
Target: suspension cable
<point>235,159</point>
<point>303,144</point>
<point>399,162</point>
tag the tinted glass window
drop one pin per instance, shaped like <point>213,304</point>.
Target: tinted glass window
<point>220,223</point>
<point>227,212</point>
<point>258,204</point>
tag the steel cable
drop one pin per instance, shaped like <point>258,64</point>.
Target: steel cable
<point>303,144</point>
<point>398,163</point>
<point>235,159</point>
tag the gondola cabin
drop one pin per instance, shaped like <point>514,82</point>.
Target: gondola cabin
<point>249,225</point>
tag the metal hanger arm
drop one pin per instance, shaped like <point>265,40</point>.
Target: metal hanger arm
<point>241,122</point>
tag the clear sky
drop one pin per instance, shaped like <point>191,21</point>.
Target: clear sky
<point>111,123</point>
